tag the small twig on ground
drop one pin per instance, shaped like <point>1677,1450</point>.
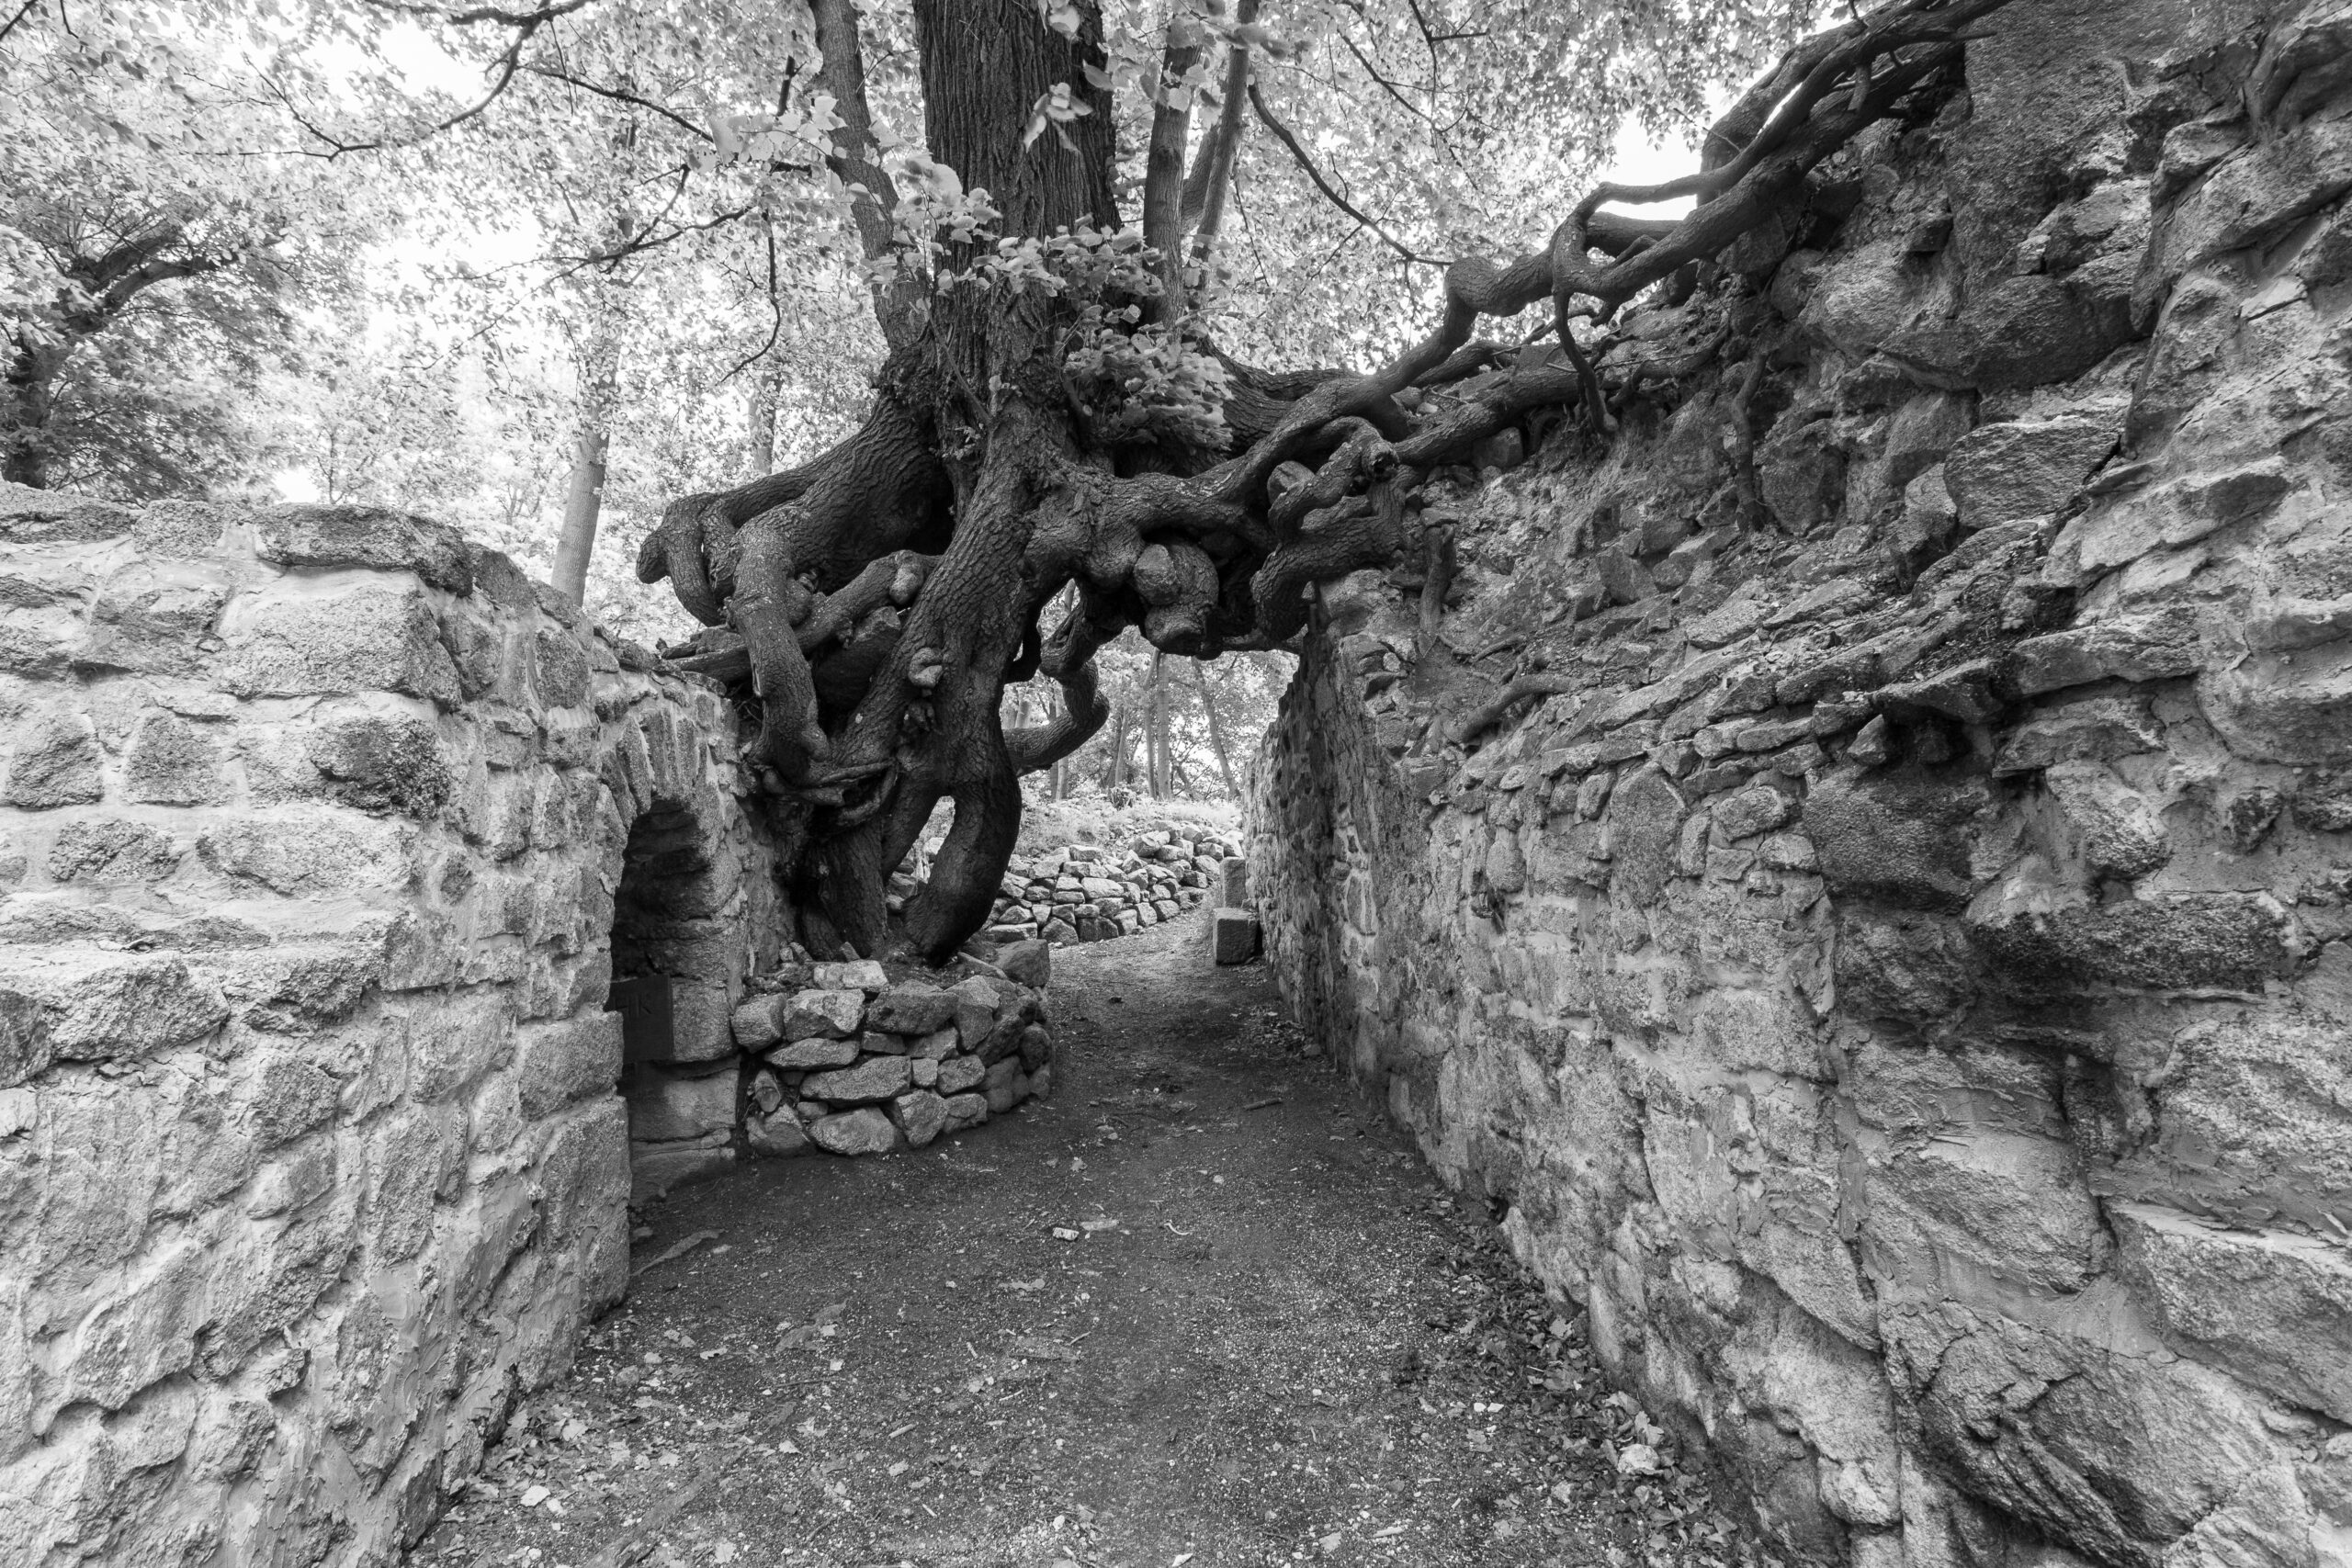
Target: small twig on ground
<point>1263,1104</point>
<point>673,1251</point>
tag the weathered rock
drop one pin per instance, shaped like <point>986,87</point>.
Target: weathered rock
<point>911,1010</point>
<point>958,1075</point>
<point>54,761</point>
<point>777,1136</point>
<point>876,1078</point>
<point>2272,1307</point>
<point>1027,964</point>
<point>664,1104</point>
<point>866,1130</point>
<point>1233,936</point>
<point>1005,1087</point>
<point>859,975</point>
<point>920,1115</point>
<point>822,1012</point>
<point>365,537</point>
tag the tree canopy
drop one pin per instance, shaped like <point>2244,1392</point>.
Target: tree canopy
<point>1077,317</point>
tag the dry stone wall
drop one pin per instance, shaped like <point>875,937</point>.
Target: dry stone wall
<point>1095,892</point>
<point>851,1060</point>
<point>1893,970</point>
<point>320,836</point>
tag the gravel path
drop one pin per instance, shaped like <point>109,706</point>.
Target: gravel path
<point>1203,1308</point>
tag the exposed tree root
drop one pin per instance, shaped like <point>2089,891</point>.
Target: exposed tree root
<point>876,600</point>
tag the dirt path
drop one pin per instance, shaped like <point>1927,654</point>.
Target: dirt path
<point>1273,1339</point>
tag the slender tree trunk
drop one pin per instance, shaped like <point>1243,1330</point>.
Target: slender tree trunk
<point>1162,774</point>
<point>759,448</point>
<point>1118,748</point>
<point>583,501</point>
<point>1216,732</point>
<point>1224,142</point>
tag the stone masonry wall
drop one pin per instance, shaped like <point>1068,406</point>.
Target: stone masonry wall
<point>1899,980</point>
<point>311,827</point>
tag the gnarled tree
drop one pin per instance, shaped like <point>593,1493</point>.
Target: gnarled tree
<point>1052,428</point>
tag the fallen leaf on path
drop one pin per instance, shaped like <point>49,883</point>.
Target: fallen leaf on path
<point>1097,1225</point>
<point>1637,1459</point>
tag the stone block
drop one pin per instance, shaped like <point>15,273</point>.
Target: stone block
<point>964,1111</point>
<point>857,975</point>
<point>53,759</point>
<point>876,1078</point>
<point>1029,962</point>
<point>367,538</point>
<point>2002,473</point>
<point>827,1012</point>
<point>702,1024</point>
<point>309,851</point>
<point>173,762</point>
<point>664,1104</point>
<point>99,1008</point>
<point>777,1136</point>
<point>959,1075</point>
<point>758,1022</point>
<point>2158,645</point>
<point>1004,1085</point>
<point>29,516</point>
<point>1036,1047</point>
<point>558,1062</point>
<point>305,643</point>
<point>866,1130</point>
<point>978,1001</point>
<point>910,1009</point>
<point>806,1055</point>
<point>933,1045</point>
<point>2270,1307</point>
<point>1233,883</point>
<point>1233,936</point>
<point>382,762</point>
<point>920,1115</point>
<point>111,849</point>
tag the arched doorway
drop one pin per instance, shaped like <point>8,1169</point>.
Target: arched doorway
<point>678,963</point>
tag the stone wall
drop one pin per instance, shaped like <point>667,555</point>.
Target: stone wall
<point>1895,967</point>
<point>853,1060</point>
<point>316,827</point>
<point>1097,891</point>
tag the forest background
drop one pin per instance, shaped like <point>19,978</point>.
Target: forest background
<point>537,270</point>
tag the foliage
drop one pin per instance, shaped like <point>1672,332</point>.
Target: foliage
<point>162,249</point>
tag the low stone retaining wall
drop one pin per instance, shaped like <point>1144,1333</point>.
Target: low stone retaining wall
<point>847,1059</point>
<point>1092,892</point>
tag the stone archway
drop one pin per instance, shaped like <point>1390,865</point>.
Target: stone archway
<point>679,956</point>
